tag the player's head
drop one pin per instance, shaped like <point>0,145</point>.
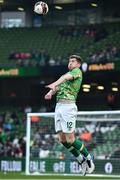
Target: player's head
<point>74,62</point>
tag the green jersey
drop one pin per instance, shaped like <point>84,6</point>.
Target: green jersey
<point>69,89</point>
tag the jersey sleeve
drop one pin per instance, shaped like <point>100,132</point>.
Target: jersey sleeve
<point>76,73</point>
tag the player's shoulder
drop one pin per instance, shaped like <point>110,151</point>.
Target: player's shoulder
<point>76,70</point>
<point>76,73</point>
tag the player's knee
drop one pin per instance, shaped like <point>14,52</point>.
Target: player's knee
<point>60,141</point>
<point>70,141</point>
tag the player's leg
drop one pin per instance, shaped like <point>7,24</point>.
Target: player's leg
<point>68,114</point>
<point>65,121</point>
<point>89,160</point>
<point>68,123</point>
<point>59,126</point>
<point>74,151</point>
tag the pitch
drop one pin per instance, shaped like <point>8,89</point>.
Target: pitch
<point>21,176</point>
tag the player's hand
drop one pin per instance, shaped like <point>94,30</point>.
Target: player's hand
<point>48,96</point>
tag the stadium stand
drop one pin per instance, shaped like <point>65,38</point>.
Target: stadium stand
<point>31,45</point>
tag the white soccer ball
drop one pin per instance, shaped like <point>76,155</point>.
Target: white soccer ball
<point>41,8</point>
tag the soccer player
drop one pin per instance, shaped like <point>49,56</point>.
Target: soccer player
<point>66,89</point>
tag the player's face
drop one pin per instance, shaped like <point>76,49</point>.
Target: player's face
<point>73,63</point>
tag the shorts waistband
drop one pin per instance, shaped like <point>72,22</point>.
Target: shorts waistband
<point>65,101</point>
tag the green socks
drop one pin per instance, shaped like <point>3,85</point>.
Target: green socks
<point>76,148</point>
<point>80,146</point>
<point>73,150</point>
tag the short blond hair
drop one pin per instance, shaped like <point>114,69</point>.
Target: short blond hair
<point>78,58</point>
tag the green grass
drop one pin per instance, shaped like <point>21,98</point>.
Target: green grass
<point>20,176</point>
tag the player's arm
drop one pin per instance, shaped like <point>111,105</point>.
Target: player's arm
<point>50,94</point>
<point>62,79</point>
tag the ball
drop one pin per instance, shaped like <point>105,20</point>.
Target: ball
<point>41,8</point>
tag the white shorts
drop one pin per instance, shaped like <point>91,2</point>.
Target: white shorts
<point>65,117</point>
